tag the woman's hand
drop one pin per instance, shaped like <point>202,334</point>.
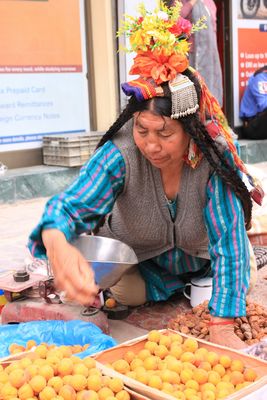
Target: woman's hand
<point>224,335</point>
<point>72,272</point>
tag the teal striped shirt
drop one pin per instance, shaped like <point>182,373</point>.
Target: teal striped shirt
<point>92,195</point>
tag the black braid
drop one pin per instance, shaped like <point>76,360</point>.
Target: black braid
<point>229,175</point>
<point>124,117</point>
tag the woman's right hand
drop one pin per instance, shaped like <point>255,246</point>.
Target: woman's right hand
<point>71,271</point>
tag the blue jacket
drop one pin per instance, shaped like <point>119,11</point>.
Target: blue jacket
<point>255,96</point>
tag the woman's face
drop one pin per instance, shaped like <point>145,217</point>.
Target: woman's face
<point>161,140</point>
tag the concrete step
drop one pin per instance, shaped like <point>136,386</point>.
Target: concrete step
<point>44,181</point>
<point>32,182</point>
<point>253,151</point>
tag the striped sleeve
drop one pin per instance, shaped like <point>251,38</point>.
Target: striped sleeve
<point>228,249</point>
<point>81,206</point>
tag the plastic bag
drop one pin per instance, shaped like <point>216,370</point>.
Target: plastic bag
<point>258,350</point>
<point>56,332</point>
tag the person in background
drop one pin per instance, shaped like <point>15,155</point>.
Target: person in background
<point>204,54</point>
<point>166,179</point>
<point>253,107</point>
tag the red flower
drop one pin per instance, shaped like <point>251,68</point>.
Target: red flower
<point>181,26</point>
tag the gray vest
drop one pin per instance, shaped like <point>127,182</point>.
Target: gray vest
<point>140,216</point>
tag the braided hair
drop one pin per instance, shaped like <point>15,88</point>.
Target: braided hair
<point>196,130</point>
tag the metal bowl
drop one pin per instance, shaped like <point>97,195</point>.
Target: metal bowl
<point>109,258</point>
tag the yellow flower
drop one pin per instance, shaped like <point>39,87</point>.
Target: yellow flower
<point>183,46</point>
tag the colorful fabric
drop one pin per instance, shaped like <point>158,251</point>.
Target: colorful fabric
<point>142,89</point>
<point>92,195</point>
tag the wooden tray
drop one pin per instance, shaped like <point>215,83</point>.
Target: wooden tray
<point>5,361</point>
<point>135,345</point>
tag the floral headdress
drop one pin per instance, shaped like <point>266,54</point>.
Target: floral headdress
<point>160,40</point>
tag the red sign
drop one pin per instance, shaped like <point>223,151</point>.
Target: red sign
<point>252,54</point>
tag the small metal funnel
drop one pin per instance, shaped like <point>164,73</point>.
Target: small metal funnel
<point>109,258</point>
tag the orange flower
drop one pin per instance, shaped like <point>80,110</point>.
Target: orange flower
<point>160,67</point>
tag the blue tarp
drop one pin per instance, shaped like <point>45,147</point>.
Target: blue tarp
<point>55,332</point>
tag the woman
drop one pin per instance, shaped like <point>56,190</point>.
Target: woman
<point>165,179</point>
<point>253,106</point>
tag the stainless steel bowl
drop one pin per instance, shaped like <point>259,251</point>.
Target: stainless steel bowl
<point>109,258</point>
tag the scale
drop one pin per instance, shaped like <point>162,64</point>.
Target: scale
<point>37,299</point>
<point>33,296</point>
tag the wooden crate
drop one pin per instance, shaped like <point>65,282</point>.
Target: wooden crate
<point>135,345</point>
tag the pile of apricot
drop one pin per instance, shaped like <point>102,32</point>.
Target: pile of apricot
<point>15,348</point>
<point>56,374</point>
<point>184,370</point>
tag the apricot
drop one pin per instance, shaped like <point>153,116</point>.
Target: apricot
<point>81,369</point>
<point>176,350</point>
<point>46,371</point>
<point>94,371</point>
<point>200,375</point>
<point>176,338</point>
<point>25,362</point>
<point>78,382</point>
<point>214,377</point>
<point>94,382</point>
<point>122,395</point>
<point>237,365</point>
<point>121,366</point>
<point>47,393</point>
<point>190,344</point>
<point>17,378</point>
<point>110,303</point>
<point>37,383</point>
<point>41,350</point>
<point>175,365</point>
<point>192,384</point>
<point>56,383</point>
<point>250,375</point>
<point>212,358</point>
<point>25,392</point>
<point>104,393</point>
<point>225,361</point>
<point>89,362</point>
<point>208,395</point>
<point>236,377</point>
<point>143,354</point>
<point>165,341</point>
<point>66,351</point>
<point>188,356</point>
<point>8,391</point>
<point>161,351</point>
<point>67,392</point>
<point>190,393</point>
<point>155,382</point>
<point>208,387</point>
<point>186,375</point>
<point>178,394</point>
<point>167,387</point>
<point>65,366</point>
<point>30,344</point>
<point>4,377</point>
<point>220,369</point>
<point>154,336</point>
<point>130,355</point>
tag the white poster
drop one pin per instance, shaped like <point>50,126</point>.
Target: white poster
<point>43,84</point>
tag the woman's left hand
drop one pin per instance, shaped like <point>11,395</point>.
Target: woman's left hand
<point>224,335</point>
